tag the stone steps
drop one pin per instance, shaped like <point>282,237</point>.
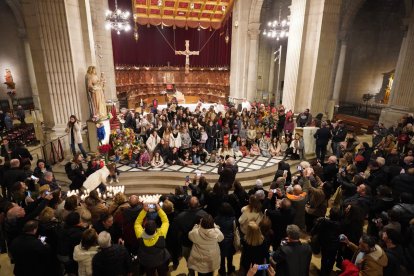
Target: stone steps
<point>154,182</point>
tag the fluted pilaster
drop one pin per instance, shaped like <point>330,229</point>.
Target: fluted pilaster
<point>253,61</point>
<point>294,49</point>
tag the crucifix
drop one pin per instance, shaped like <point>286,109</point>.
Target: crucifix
<point>187,53</point>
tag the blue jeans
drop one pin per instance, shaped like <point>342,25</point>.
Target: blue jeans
<point>80,146</point>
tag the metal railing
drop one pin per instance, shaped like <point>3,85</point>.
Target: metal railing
<point>367,111</point>
<point>52,152</point>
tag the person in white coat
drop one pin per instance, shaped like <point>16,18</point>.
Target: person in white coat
<point>175,139</point>
<point>74,128</point>
<point>153,141</point>
<point>84,252</point>
<point>205,253</point>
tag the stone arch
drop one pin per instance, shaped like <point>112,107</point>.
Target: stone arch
<point>255,11</point>
<point>16,8</point>
<point>349,15</point>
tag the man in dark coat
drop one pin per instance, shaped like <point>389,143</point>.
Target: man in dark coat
<point>377,176</point>
<point>322,136</point>
<point>403,183</point>
<point>185,222</point>
<point>338,136</point>
<point>30,255</point>
<point>6,149</point>
<point>13,175</point>
<point>293,258</point>
<point>227,171</point>
<point>113,259</point>
<point>330,169</point>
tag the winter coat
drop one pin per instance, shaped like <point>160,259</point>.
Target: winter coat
<point>402,183</point>
<point>114,260</point>
<point>30,256</point>
<point>322,136</point>
<point>185,221</point>
<point>248,216</point>
<point>373,263</point>
<point>84,259</point>
<point>95,179</point>
<point>293,259</point>
<point>152,250</point>
<point>152,142</point>
<point>77,135</point>
<point>226,225</point>
<point>175,141</point>
<point>205,253</point>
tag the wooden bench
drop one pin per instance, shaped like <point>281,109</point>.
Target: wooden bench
<point>357,123</point>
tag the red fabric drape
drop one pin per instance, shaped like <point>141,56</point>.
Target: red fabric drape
<point>153,50</point>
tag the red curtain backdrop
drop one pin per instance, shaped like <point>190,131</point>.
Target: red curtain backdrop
<point>152,48</point>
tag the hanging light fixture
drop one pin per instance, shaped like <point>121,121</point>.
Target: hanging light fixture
<point>117,20</point>
<point>277,29</point>
<point>227,37</point>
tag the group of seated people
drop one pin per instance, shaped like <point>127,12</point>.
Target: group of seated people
<point>175,135</point>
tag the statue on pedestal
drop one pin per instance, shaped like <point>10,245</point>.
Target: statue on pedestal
<point>96,97</point>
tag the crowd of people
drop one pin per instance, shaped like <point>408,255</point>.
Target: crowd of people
<point>330,200</point>
<point>176,135</point>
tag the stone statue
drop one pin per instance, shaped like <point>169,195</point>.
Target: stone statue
<point>96,97</point>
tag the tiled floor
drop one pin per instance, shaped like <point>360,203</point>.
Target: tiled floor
<point>246,164</point>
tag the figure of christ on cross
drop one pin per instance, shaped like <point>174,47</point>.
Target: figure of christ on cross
<point>187,53</point>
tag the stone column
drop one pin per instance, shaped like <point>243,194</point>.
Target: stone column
<point>402,91</point>
<point>271,74</point>
<point>294,49</point>
<point>57,45</point>
<point>339,73</point>
<point>239,49</point>
<point>32,77</point>
<point>310,55</point>
<point>252,65</point>
<point>103,54</point>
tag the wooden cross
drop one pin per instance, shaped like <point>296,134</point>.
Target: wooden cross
<point>187,53</point>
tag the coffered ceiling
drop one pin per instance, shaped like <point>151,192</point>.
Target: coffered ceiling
<point>182,13</point>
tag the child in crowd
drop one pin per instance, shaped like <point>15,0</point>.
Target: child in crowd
<point>186,159</point>
<point>144,159</point>
<point>254,150</point>
<point>157,160</point>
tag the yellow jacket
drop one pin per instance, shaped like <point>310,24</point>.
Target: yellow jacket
<point>162,231</point>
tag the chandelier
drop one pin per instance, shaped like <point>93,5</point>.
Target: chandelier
<point>117,20</point>
<point>277,29</point>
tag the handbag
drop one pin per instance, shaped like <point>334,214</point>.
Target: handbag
<point>236,237</point>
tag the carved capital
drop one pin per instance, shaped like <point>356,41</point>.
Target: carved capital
<point>254,30</point>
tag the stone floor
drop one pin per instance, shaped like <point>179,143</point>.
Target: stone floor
<point>245,164</point>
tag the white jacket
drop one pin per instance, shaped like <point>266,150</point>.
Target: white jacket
<point>175,141</point>
<point>152,142</point>
<point>95,179</point>
<point>84,259</point>
<point>247,217</point>
<point>205,253</point>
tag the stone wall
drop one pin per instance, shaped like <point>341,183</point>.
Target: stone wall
<point>374,44</point>
<point>12,54</point>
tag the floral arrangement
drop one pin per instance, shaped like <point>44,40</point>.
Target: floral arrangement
<point>104,151</point>
<point>124,142</point>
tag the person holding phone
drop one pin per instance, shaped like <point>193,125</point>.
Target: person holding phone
<point>292,257</point>
<point>152,252</point>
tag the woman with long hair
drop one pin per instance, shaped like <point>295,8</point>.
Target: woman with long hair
<point>74,128</point>
<point>255,248</point>
<point>85,251</point>
<point>251,212</point>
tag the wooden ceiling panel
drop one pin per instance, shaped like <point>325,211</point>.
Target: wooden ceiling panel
<point>182,13</point>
